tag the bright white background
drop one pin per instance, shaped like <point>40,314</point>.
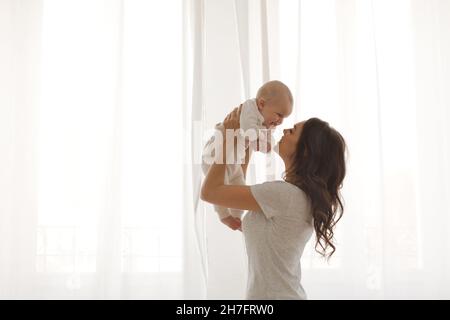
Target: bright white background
<point>105,105</point>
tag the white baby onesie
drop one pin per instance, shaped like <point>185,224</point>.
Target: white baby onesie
<point>251,123</point>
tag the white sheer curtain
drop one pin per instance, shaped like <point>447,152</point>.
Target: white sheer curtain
<point>378,72</point>
<point>20,26</point>
<point>100,99</point>
<point>91,141</point>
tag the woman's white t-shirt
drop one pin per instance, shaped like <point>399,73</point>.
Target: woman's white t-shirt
<point>275,240</point>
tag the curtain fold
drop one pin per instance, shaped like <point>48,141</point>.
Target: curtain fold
<point>242,24</point>
<point>109,251</point>
<point>194,120</point>
<point>20,32</point>
<point>432,73</point>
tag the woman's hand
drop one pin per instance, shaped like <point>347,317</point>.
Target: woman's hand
<point>232,119</point>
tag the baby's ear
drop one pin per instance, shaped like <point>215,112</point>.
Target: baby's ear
<point>260,103</point>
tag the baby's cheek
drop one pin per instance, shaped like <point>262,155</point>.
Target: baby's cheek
<point>272,119</point>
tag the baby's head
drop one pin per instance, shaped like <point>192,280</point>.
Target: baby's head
<point>275,102</point>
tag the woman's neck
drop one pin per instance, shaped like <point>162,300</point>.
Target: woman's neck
<point>288,175</point>
<point>287,165</point>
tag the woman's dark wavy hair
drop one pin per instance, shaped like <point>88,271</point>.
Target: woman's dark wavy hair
<point>319,170</point>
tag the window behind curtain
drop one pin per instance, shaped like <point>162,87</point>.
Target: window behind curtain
<point>383,70</point>
<point>80,73</point>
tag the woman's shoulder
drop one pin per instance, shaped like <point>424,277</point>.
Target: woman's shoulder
<point>295,193</point>
<point>283,189</point>
<point>283,185</point>
<point>280,198</point>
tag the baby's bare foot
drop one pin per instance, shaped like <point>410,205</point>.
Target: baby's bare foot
<point>232,223</point>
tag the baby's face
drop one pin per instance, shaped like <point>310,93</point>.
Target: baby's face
<point>275,111</point>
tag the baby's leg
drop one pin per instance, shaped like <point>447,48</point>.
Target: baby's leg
<point>208,156</point>
<point>222,212</point>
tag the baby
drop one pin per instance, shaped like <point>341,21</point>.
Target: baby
<point>272,104</point>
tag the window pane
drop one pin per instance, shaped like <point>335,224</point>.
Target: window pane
<point>79,98</point>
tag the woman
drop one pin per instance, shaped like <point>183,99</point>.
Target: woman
<point>283,214</point>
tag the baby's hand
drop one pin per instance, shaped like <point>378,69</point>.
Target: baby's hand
<point>232,222</point>
<point>266,148</point>
<point>262,146</point>
<point>264,141</point>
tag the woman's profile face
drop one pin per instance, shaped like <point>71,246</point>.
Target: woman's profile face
<point>288,142</point>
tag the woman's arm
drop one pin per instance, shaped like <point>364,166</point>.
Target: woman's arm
<point>216,192</point>
<point>214,189</point>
